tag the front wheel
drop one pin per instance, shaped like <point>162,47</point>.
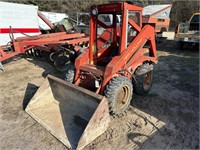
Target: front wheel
<point>119,94</point>
<point>143,83</point>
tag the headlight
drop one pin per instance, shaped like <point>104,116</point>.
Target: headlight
<point>95,11</point>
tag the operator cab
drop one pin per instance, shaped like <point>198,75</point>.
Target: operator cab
<point>110,35</point>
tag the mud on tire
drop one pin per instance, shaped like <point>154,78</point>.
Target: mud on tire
<point>143,83</point>
<point>119,94</point>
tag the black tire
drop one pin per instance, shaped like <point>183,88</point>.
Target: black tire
<point>47,57</point>
<point>72,56</point>
<point>119,102</point>
<point>69,77</point>
<point>53,56</point>
<point>143,83</point>
<point>62,63</point>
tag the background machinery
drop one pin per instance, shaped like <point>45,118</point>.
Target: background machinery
<point>187,34</point>
<point>21,33</point>
<point>62,47</point>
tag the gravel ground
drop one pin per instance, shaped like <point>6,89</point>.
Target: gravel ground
<point>167,118</point>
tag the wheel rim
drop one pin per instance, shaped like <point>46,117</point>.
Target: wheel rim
<point>147,81</point>
<point>53,56</point>
<point>122,97</point>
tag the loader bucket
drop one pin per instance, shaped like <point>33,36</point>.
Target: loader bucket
<point>74,115</point>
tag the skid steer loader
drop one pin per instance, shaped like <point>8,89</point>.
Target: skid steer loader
<point>102,80</point>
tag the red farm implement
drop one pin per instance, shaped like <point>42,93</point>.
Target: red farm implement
<point>59,45</point>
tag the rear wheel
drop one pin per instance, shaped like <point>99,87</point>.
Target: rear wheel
<point>143,83</point>
<point>119,94</point>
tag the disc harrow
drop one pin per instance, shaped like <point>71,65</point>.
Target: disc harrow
<point>35,52</point>
<point>61,47</point>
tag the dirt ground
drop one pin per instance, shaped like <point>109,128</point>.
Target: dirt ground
<point>167,118</point>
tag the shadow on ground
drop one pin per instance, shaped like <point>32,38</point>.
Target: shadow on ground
<point>30,91</point>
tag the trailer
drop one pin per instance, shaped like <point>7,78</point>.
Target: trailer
<point>26,20</point>
<point>22,18</point>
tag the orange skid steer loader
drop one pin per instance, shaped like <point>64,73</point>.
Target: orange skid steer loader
<point>117,63</point>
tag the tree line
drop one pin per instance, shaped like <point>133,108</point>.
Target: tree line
<point>181,9</point>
